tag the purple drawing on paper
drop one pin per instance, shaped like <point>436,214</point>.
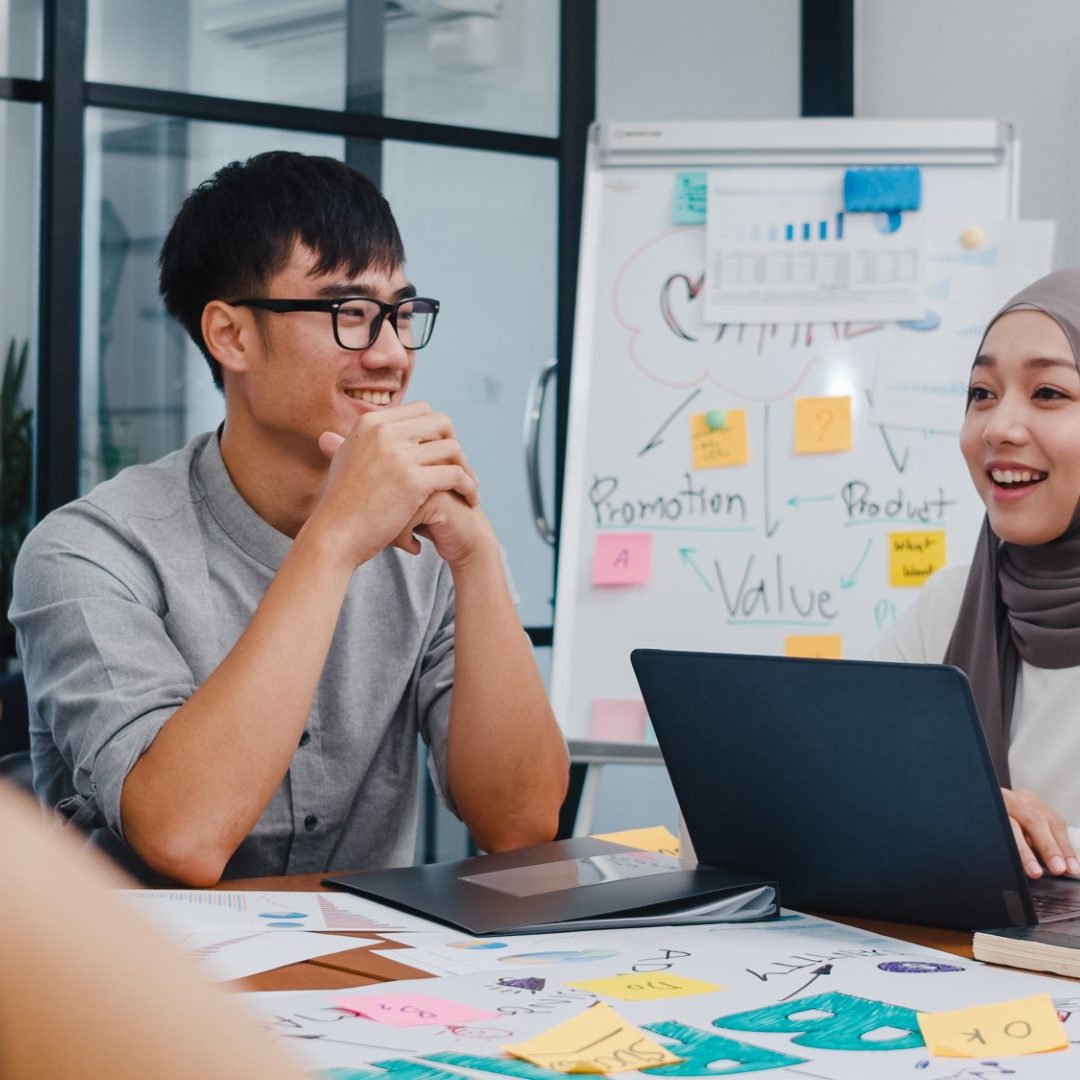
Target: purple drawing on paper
<point>916,967</point>
<point>523,984</point>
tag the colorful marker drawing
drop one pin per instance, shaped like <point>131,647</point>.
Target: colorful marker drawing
<point>524,983</point>
<point>917,967</point>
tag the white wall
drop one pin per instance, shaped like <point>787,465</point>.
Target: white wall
<point>697,59</point>
<point>986,58</point>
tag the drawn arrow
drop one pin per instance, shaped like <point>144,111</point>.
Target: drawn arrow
<point>798,500</point>
<point>900,464</point>
<point>656,440</point>
<point>770,525</point>
<point>685,553</point>
<point>825,969</point>
<point>847,580</point>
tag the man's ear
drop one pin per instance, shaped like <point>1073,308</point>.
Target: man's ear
<point>230,334</point>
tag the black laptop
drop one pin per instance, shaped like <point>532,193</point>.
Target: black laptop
<point>862,787</point>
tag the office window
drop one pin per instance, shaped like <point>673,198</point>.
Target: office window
<point>145,388</point>
<point>19,184</point>
<point>478,231</point>
<point>493,66</point>
<point>20,38</point>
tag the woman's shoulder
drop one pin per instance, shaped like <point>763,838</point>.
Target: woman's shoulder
<point>921,634</point>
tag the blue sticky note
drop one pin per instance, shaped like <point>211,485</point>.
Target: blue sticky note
<point>691,196</point>
<point>883,189</point>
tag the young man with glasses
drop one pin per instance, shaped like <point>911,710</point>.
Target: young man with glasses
<point>229,652</point>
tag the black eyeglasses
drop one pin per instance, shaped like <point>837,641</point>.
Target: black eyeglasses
<point>357,320</point>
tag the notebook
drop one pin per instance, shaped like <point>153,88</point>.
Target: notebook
<point>577,884</point>
<point>862,787</point>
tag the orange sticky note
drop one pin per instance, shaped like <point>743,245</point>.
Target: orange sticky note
<point>914,556</point>
<point>822,425</point>
<point>829,646</point>
<point>651,838</point>
<point>618,720</point>
<point>716,448</point>
<point>1024,1026</point>
<point>622,559</point>
<point>595,1041</point>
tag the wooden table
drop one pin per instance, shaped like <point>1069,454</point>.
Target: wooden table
<point>361,966</point>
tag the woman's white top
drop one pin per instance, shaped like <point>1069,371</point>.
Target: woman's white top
<point>1044,743</point>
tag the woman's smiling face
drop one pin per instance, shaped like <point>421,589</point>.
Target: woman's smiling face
<point>1021,433</point>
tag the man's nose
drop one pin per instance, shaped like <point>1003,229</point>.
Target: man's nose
<point>386,351</point>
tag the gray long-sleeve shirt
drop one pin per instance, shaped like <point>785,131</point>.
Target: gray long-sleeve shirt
<point>127,599</point>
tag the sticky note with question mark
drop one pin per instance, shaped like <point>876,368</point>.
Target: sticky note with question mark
<point>822,425</point>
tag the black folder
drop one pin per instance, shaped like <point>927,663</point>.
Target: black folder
<point>576,884</point>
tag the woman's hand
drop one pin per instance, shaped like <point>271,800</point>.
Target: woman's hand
<point>1041,835</point>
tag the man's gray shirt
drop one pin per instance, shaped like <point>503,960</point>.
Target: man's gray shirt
<point>126,600</point>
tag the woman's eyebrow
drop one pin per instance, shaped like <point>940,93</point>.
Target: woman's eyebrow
<point>1049,362</point>
<point>1033,362</point>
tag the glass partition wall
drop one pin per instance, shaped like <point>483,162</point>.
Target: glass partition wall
<point>20,178</point>
<point>470,116</point>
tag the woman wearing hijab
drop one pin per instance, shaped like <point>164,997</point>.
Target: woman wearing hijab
<point>1011,621</point>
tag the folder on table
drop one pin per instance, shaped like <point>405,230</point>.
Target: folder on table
<point>576,884</point>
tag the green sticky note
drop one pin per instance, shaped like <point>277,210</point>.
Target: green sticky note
<point>691,196</point>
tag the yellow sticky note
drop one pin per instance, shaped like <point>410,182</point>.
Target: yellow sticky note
<point>1025,1026</point>
<point>655,838</point>
<point>822,425</point>
<point>829,646</point>
<point>596,1041</point>
<point>646,987</point>
<point>914,556</point>
<point>720,447</point>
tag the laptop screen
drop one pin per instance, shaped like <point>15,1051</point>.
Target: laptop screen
<point>862,787</point>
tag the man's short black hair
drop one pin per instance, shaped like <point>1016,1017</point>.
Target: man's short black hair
<point>237,229</point>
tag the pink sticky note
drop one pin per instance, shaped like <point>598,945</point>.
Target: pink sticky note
<point>411,1010</point>
<point>622,559</point>
<point>618,720</point>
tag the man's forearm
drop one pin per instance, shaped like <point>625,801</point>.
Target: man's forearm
<point>204,782</point>
<point>506,761</point>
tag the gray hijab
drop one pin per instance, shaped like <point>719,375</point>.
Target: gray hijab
<point>1021,602</point>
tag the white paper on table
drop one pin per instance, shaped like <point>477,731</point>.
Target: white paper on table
<point>184,910</point>
<point>793,255</point>
<point>754,966</point>
<point>423,960</point>
<point>232,956</point>
<point>455,953</point>
<point>923,368</point>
